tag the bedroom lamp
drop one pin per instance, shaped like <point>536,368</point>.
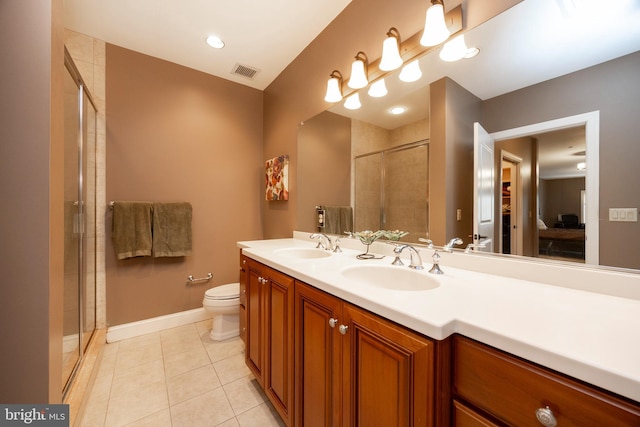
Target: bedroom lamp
<point>334,87</point>
<point>359,78</point>
<point>435,28</point>
<point>391,51</point>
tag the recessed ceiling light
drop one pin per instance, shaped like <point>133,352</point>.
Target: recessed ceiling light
<point>397,110</point>
<point>215,42</point>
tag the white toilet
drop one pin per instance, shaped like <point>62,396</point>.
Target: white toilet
<point>224,303</point>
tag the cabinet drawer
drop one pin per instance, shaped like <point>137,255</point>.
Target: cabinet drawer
<point>467,417</point>
<point>513,390</point>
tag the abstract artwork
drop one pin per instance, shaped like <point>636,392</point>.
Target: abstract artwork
<point>277,178</point>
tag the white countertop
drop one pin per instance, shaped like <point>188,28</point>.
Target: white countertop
<point>590,336</point>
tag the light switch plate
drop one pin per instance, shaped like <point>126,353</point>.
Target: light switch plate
<point>623,214</point>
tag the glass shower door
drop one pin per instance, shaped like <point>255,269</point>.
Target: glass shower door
<point>79,315</point>
<point>72,236</point>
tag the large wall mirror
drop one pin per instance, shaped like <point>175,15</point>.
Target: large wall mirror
<point>539,61</point>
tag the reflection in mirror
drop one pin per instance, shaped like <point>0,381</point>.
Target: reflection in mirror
<point>554,63</point>
<point>392,190</point>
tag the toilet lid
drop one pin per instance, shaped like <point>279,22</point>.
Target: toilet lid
<point>229,291</point>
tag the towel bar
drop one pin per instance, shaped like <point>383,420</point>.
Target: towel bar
<point>201,279</point>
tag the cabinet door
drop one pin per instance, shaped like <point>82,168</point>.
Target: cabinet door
<point>279,339</point>
<point>255,306</point>
<point>317,355</point>
<point>387,373</point>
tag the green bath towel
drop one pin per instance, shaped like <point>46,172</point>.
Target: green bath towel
<point>132,229</point>
<point>171,229</point>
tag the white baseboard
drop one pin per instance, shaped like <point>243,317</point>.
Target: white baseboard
<point>147,326</point>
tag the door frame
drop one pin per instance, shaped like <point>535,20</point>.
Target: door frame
<point>516,233</point>
<point>591,122</point>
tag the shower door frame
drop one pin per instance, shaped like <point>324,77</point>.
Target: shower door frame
<point>83,94</point>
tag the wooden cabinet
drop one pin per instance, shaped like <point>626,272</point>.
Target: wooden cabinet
<point>269,334</point>
<point>494,388</point>
<point>243,298</point>
<point>354,368</point>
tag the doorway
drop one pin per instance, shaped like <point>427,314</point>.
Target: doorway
<point>590,122</point>
<point>511,220</point>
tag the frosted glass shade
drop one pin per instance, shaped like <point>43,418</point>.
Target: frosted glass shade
<point>352,102</point>
<point>411,72</point>
<point>456,49</point>
<point>435,29</point>
<point>378,89</point>
<point>390,54</point>
<point>334,91</point>
<point>358,78</point>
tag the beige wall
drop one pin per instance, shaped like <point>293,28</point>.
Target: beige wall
<point>326,157</point>
<point>31,185</point>
<point>297,94</point>
<point>176,134</point>
<point>613,88</point>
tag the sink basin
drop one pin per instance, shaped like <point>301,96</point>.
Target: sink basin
<point>391,277</point>
<point>303,253</point>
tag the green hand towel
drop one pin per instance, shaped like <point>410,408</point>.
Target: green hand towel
<point>172,229</point>
<point>132,229</point>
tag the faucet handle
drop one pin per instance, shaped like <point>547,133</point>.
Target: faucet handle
<point>429,242</point>
<point>336,246</point>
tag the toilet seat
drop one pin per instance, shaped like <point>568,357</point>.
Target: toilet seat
<point>223,292</point>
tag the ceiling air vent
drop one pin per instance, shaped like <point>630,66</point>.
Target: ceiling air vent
<point>244,71</point>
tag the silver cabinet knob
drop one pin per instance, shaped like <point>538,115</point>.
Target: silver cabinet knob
<point>333,322</point>
<point>546,417</point>
<point>343,329</point>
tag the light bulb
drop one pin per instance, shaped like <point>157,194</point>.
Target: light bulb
<point>378,89</point>
<point>352,102</point>
<point>334,92</point>
<point>411,72</point>
<point>435,29</point>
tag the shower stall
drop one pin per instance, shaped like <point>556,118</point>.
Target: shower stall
<point>79,221</point>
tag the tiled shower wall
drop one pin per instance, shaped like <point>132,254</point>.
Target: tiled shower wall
<point>89,56</point>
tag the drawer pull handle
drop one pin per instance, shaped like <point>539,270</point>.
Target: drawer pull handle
<point>333,322</point>
<point>546,418</point>
<point>343,329</point>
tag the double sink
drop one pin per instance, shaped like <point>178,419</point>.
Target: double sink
<point>390,277</point>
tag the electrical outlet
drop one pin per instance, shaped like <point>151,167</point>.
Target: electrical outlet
<point>623,214</point>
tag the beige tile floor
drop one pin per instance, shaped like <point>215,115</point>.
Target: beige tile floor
<point>177,377</point>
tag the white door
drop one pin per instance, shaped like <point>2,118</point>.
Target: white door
<point>484,184</point>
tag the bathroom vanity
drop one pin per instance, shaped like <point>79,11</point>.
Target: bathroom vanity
<point>334,340</point>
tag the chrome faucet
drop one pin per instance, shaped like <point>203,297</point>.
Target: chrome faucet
<point>449,246</point>
<point>480,245</point>
<point>416,260</point>
<point>324,241</point>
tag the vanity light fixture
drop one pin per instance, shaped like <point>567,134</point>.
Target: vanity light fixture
<point>456,49</point>
<point>435,28</point>
<point>352,102</point>
<point>359,78</point>
<point>378,89</point>
<point>391,51</point>
<point>411,72</point>
<point>215,42</point>
<point>334,87</point>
